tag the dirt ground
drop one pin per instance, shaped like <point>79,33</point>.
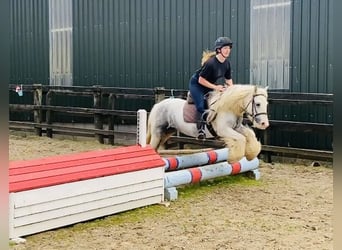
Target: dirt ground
<point>290,207</point>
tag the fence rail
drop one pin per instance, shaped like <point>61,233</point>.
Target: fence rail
<point>104,118</point>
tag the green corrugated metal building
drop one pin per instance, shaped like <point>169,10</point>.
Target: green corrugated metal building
<point>285,44</point>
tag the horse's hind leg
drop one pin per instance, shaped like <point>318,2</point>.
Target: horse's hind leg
<point>165,136</point>
<point>156,137</point>
<point>159,137</point>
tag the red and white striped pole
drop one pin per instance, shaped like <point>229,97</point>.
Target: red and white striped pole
<point>196,174</point>
<point>196,159</point>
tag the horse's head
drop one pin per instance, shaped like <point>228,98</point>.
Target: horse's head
<point>256,108</point>
<point>240,99</point>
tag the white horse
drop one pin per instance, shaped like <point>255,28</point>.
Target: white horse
<point>225,115</point>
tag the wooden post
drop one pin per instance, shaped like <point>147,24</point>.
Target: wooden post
<point>37,113</point>
<point>159,94</point>
<point>48,114</point>
<point>111,106</point>
<point>180,144</point>
<point>98,123</point>
<point>266,141</point>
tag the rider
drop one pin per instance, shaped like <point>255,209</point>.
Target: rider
<point>215,74</point>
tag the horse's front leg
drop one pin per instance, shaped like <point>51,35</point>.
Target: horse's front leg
<point>235,142</point>
<point>253,146</point>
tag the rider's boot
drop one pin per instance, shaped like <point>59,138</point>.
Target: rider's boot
<point>201,126</point>
<point>201,130</point>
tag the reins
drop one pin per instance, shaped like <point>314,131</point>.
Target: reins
<point>208,124</point>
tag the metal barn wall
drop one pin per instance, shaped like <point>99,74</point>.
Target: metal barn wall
<point>270,38</point>
<point>148,43</point>
<point>29,49</point>
<point>311,51</point>
<point>311,71</point>
<point>60,34</point>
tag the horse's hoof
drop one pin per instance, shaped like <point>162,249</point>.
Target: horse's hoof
<point>232,162</point>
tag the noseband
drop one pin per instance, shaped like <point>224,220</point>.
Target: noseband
<point>254,109</point>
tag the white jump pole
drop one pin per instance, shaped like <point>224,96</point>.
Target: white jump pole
<point>141,127</point>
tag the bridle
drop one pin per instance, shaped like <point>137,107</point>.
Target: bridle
<point>253,115</point>
<point>254,108</point>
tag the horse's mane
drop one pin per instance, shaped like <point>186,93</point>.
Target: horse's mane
<point>233,98</point>
<point>206,55</point>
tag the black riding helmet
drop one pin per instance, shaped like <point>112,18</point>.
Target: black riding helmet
<point>221,42</point>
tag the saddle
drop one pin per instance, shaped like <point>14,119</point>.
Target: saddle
<point>189,110</point>
<point>190,114</point>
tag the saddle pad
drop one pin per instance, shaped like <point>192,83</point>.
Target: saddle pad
<point>189,113</point>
